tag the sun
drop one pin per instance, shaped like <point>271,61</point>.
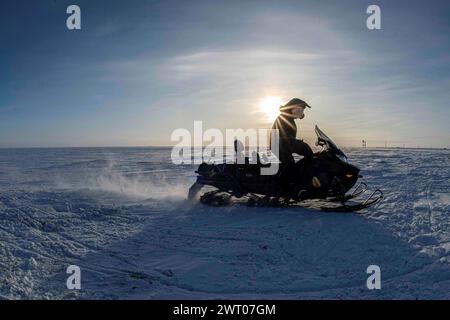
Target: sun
<point>270,106</point>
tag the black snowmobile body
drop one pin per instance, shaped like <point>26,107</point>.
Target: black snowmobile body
<point>326,175</point>
<point>319,177</point>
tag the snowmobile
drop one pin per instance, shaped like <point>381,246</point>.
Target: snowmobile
<point>326,177</point>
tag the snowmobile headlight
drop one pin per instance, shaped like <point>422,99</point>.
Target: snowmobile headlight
<point>341,157</point>
<point>348,175</point>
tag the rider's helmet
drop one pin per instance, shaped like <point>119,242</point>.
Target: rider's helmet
<point>293,103</point>
<point>288,111</point>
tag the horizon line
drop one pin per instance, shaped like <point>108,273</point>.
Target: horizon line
<point>156,146</point>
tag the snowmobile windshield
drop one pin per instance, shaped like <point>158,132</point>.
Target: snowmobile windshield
<point>325,141</point>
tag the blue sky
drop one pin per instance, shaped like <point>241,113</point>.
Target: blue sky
<point>138,70</point>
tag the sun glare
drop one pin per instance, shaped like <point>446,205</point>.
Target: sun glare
<point>270,106</point>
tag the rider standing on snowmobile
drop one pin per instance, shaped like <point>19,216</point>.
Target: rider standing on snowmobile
<point>287,128</point>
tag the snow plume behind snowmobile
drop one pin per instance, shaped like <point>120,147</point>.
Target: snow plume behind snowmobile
<point>326,176</point>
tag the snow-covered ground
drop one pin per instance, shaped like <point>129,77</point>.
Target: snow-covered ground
<point>121,216</point>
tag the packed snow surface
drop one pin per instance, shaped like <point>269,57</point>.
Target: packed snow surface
<point>120,214</point>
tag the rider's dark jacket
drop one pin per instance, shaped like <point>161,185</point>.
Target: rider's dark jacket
<point>288,143</point>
